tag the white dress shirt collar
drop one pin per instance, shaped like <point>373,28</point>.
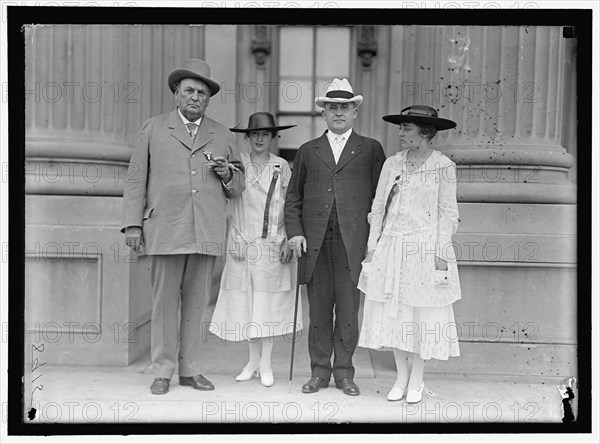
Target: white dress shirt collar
<point>331,136</point>
<point>338,148</point>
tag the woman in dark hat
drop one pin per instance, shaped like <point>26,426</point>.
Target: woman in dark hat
<point>257,294</point>
<point>410,277</point>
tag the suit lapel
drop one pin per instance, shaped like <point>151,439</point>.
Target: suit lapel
<point>323,151</point>
<point>206,133</point>
<point>179,130</point>
<point>351,150</point>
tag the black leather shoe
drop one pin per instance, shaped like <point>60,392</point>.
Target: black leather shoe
<point>348,387</point>
<point>160,386</point>
<point>314,384</point>
<point>199,382</point>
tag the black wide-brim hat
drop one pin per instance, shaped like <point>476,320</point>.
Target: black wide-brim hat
<point>195,69</point>
<point>422,114</point>
<point>261,121</point>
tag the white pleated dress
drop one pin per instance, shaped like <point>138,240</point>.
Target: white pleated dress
<point>257,293</point>
<point>408,303</point>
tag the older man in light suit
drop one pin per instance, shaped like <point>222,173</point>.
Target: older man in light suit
<point>181,172</point>
<point>333,183</point>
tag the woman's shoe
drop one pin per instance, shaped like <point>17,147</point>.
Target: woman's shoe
<point>414,396</point>
<point>396,393</point>
<point>248,373</point>
<point>266,377</point>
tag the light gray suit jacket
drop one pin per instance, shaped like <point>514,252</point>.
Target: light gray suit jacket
<point>172,193</point>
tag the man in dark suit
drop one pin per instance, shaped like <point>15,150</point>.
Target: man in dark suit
<point>174,204</point>
<point>334,179</point>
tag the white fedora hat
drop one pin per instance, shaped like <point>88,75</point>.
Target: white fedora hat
<point>339,91</point>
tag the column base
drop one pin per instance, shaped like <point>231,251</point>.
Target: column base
<point>79,301</point>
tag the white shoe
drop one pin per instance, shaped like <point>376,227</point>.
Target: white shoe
<point>266,377</point>
<point>414,396</point>
<point>396,394</point>
<point>247,374</point>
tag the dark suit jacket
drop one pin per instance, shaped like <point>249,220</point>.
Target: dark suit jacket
<point>172,193</point>
<point>317,182</point>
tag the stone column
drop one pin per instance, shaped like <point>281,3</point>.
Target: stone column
<point>516,241</point>
<point>504,88</point>
<point>77,126</point>
<point>510,113</point>
<point>88,89</point>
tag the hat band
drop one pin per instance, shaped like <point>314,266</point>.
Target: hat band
<point>260,121</point>
<point>417,112</point>
<point>339,94</point>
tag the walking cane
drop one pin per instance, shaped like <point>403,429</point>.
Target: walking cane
<point>295,319</point>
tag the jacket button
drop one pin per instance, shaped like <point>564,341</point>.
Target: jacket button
<point>194,191</point>
<point>193,155</point>
<point>326,205</point>
<point>335,175</point>
<point>194,173</point>
<point>329,190</point>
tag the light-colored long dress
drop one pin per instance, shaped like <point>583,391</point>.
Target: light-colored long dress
<point>257,293</point>
<point>408,303</point>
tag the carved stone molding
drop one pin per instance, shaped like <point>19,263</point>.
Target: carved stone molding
<point>261,43</point>
<point>367,44</point>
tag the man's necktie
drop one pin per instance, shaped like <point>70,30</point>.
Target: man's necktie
<point>192,129</point>
<point>393,192</point>
<point>269,196</point>
<point>338,143</point>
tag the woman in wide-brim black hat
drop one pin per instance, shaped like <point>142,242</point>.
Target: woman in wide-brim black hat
<point>409,276</point>
<point>257,294</point>
<point>261,121</point>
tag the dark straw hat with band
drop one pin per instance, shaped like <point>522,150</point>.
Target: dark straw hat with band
<point>420,114</point>
<point>261,121</point>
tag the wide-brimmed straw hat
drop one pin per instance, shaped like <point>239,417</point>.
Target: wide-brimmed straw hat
<point>339,91</point>
<point>195,69</point>
<point>261,121</point>
<point>422,114</point>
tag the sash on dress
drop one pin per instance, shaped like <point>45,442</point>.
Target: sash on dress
<point>393,192</point>
<point>268,204</point>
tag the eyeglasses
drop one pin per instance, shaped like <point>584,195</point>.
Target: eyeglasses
<point>332,108</point>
